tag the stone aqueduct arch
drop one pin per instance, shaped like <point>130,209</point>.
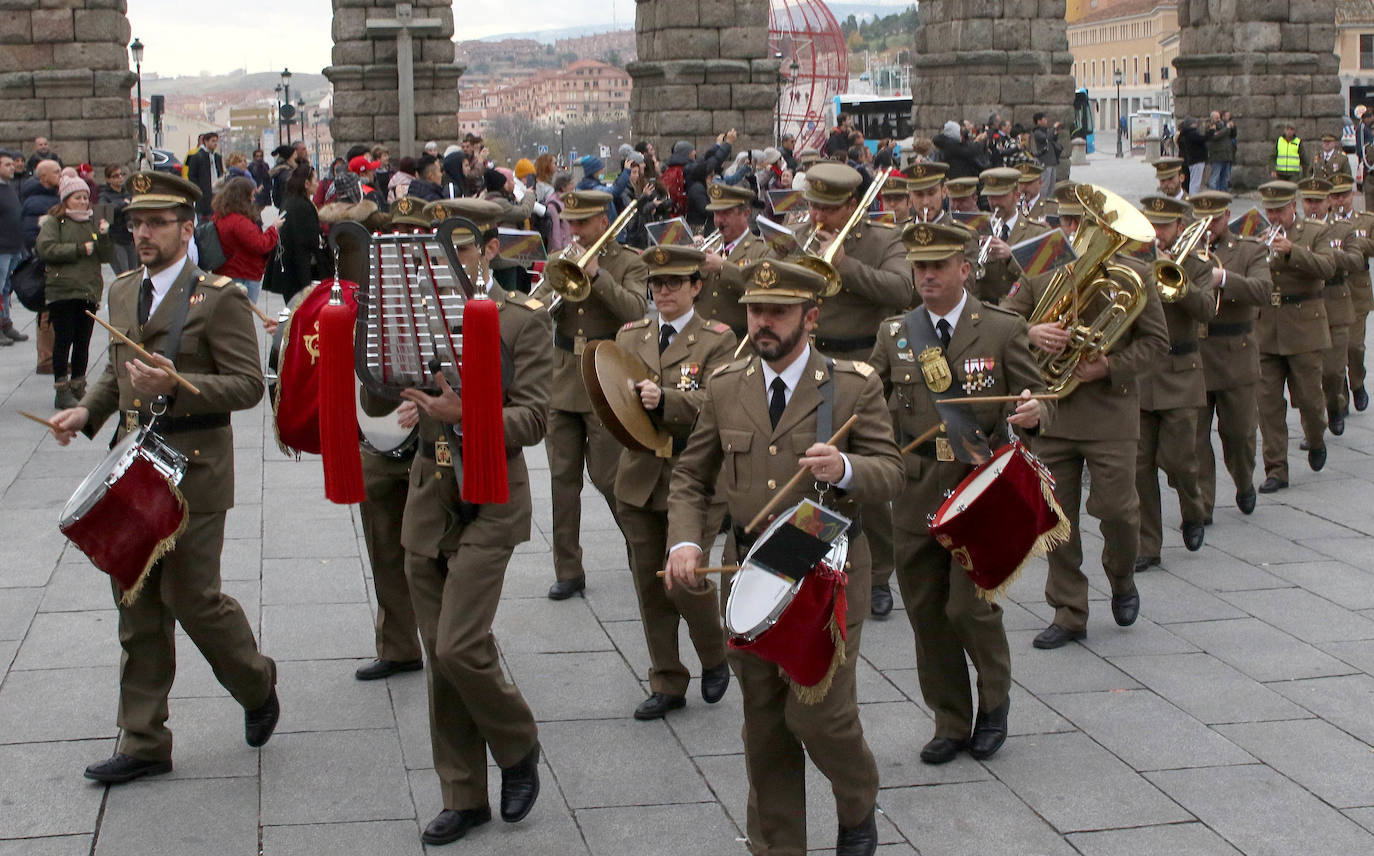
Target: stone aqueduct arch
<point>702,69</point>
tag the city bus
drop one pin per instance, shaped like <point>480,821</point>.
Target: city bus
<point>876,116</point>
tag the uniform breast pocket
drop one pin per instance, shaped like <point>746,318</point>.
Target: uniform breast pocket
<point>1311,310</point>
<point>736,445</point>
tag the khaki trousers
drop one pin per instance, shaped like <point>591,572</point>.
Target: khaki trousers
<point>1112,500</point>
<point>877,524</point>
<point>1301,373</point>
<point>661,610</point>
<point>1356,345</point>
<point>184,586</point>
<point>780,732</point>
<point>575,440</point>
<point>1236,417</point>
<point>1334,362</point>
<point>386,481</point>
<point>472,707</point>
<point>1168,439</point>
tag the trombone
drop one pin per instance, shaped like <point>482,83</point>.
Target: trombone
<point>824,262</point>
<point>568,278</point>
<point>1170,278</point>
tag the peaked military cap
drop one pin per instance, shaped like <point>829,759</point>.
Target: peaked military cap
<point>772,281</point>
<point>831,183</point>
<point>1314,188</point>
<point>724,196</point>
<point>584,204</point>
<point>961,187</point>
<point>482,212</point>
<point>1341,183</point>
<point>1066,199</point>
<point>410,211</point>
<point>1276,194</point>
<point>999,180</point>
<point>1168,168</point>
<point>924,174</point>
<point>1210,203</point>
<point>672,260</point>
<point>1164,209</point>
<point>1030,171</point>
<point>933,242</point>
<point>155,191</point>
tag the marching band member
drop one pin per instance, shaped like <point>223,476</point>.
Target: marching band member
<point>1001,270</point>
<point>963,193</point>
<point>761,414</point>
<point>1347,249</point>
<point>894,197</point>
<point>1169,175</point>
<point>1361,296</point>
<point>1034,201</point>
<point>721,283</point>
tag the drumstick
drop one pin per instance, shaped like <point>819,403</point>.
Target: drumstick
<point>701,572</point>
<point>925,435</point>
<point>263,315</point>
<point>147,357</point>
<point>801,471</point>
<point>53,426</point>
<point>1000,399</point>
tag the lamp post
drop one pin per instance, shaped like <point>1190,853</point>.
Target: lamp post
<point>277,89</point>
<point>137,50</point>
<point>560,141</point>
<point>288,110</point>
<point>777,101</point>
<point>1117,76</point>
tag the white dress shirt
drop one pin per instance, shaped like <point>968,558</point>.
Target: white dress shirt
<point>791,376</point>
<point>678,324</point>
<point>952,317</point>
<point>162,281</point>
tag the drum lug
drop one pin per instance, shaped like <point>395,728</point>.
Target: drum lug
<point>946,494</point>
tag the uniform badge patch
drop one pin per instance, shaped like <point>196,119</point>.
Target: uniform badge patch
<point>689,376</point>
<point>935,369</point>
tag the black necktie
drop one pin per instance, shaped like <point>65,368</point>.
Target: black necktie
<point>778,402</point>
<point>665,335</point>
<point>943,329</point>
<point>1006,232</point>
<point>145,301</point>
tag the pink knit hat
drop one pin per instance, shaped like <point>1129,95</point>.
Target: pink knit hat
<point>70,185</point>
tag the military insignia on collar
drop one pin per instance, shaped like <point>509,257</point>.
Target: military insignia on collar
<point>1157,204</point>
<point>198,297</point>
<point>140,183</point>
<point>765,276</point>
<point>659,257</point>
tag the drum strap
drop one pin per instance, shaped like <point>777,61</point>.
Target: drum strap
<point>825,413</point>
<point>963,432</point>
<point>171,346</point>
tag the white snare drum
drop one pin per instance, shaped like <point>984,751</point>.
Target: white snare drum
<point>758,596</point>
<point>381,435</point>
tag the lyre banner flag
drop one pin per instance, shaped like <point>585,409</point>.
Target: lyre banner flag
<point>522,247</point>
<point>674,231</point>
<point>778,237</point>
<point>1141,252</point>
<point>786,201</point>
<point>1250,224</point>
<point>978,221</point>
<point>883,217</point>
<point>1044,253</point>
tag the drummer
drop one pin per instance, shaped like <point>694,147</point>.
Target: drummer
<point>983,350</point>
<point>760,419</point>
<point>681,349</point>
<point>218,352</point>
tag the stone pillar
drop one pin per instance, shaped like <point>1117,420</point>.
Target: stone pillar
<point>366,97</point>
<point>1268,63</point>
<point>974,58</point>
<point>703,69</point>
<point>64,75</point>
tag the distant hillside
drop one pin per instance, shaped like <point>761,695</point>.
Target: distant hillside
<point>307,85</point>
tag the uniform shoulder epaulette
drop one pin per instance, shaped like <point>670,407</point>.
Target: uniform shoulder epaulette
<point>133,272</point>
<point>1002,310</point>
<point>717,327</point>
<point>215,282</point>
<point>736,365</point>
<point>858,367</point>
<point>643,322</point>
<point>533,304</point>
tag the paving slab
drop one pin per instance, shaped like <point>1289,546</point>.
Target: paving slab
<point>212,817</point>
<point>76,704</point>
<point>330,631</point>
<point>895,732</point>
<point>57,845</point>
<point>365,838</point>
<point>547,626</point>
<point>68,640</point>
<point>1328,762</point>
<point>1303,614</point>
<point>76,586</point>
<point>208,739</point>
<point>17,607</point>
<point>674,830</point>
<point>1180,839</point>
<point>33,545</point>
<point>970,819</point>
<point>1261,651</point>
<point>1072,668</point>
<point>43,792</point>
<point>1344,585</point>
<point>1345,702</point>
<point>620,762</point>
<point>549,828</point>
<point>1207,689</point>
<point>310,689</point>
<point>334,776</point>
<point>313,580</point>
<point>1173,599</point>
<point>556,686</point>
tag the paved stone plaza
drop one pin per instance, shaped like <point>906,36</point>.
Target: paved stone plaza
<point>1234,717</point>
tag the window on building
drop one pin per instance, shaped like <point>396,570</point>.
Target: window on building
<point>1366,50</point>
<point>1135,70</point>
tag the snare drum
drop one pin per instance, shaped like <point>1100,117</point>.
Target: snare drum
<point>128,512</point>
<point>759,597</point>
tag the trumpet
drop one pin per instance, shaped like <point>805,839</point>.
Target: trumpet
<point>985,248</point>
<point>568,278</point>
<point>1274,232</point>
<point>1170,278</point>
<point>824,263</point>
<point>713,243</point>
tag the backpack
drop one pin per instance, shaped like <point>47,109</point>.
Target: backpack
<point>211,251</point>
<point>676,184</point>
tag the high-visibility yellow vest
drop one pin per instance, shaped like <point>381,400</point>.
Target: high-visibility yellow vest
<point>1288,159</point>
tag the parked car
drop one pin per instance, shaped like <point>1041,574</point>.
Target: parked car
<point>165,161</point>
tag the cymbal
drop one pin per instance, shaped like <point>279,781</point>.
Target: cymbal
<point>610,375</point>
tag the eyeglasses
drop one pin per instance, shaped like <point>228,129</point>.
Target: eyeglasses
<point>151,224</point>
<point>669,284</point>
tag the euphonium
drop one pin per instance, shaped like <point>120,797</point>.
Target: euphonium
<point>1170,278</point>
<point>568,278</point>
<point>1094,300</point>
<point>824,263</point>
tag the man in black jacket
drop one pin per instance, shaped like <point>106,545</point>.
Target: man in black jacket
<point>1192,146</point>
<point>37,195</point>
<point>11,245</point>
<point>697,175</point>
<point>206,168</point>
<point>966,158</point>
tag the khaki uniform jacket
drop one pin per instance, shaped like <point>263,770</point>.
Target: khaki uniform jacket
<point>1348,250</point>
<point>1178,379</point>
<point>877,282</point>
<point>1299,328</point>
<point>720,291</point>
<point>1107,409</point>
<point>218,353</point>
<point>681,372</point>
<point>618,296</point>
<point>999,274</point>
<point>733,438</point>
<point>1328,167</point>
<point>1231,360</point>
<point>433,503</point>
<point>1360,293</point>
<point>983,332</point>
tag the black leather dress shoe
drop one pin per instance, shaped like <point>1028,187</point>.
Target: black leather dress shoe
<point>657,706</point>
<point>941,750</point>
<point>989,731</point>
<point>564,589</point>
<point>714,683</point>
<point>450,825</point>
<point>880,603</point>
<point>1144,563</point>
<point>121,768</point>
<point>520,787</point>
<point>861,840</point>
<point>1316,458</point>
<point>1271,485</point>
<point>1335,420</point>
<point>1126,608</point>
<point>1193,535</point>
<point>1055,636</point>
<point>379,668</point>
<point>1246,501</point>
<point>259,723</point>
<point>1361,399</point>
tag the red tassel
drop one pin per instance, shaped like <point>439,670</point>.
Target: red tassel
<point>484,432</point>
<point>343,464</point>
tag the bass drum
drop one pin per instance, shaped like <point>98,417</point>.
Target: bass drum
<point>381,435</point>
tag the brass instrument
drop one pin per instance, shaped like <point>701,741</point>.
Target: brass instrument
<point>1274,231</point>
<point>823,263</point>
<point>984,249</point>
<point>713,243</point>
<point>1094,300</point>
<point>568,278</point>
<point>1170,278</point>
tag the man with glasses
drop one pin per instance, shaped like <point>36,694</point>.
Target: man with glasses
<point>681,349</point>
<point>216,348</point>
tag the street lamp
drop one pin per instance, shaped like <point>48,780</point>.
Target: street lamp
<point>287,110</point>
<point>1117,77</point>
<point>777,102</point>
<point>560,140</point>
<point>277,89</point>
<point>137,50</point>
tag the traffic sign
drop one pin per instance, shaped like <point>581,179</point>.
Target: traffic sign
<point>543,150</point>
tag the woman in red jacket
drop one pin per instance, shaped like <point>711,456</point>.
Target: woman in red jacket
<point>246,243</point>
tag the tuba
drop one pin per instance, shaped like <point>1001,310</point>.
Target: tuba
<point>824,263</point>
<point>1170,278</point>
<point>1094,300</point>
<point>568,278</point>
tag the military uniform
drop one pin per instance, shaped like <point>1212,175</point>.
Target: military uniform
<point>218,352</point>
<point>1362,299</point>
<point>1169,168</point>
<point>734,439</point>
<point>1230,360</point>
<point>1327,165</point>
<point>1098,425</point>
<point>990,355</point>
<point>697,348</point>
<point>720,290</point>
<point>576,436</point>
<point>1292,332</point>
<point>1033,207</point>
<point>386,480</point>
<point>1000,274</point>
<point>1170,397</point>
<point>1348,251</point>
<point>456,557</point>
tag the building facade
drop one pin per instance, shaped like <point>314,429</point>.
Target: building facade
<point>1140,39</point>
<point>584,91</point>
